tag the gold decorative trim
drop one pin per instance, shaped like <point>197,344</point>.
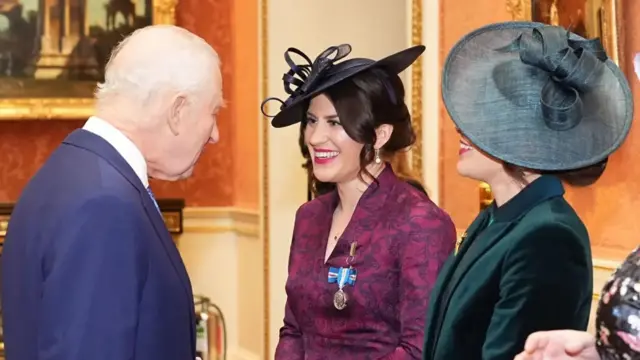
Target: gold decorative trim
<point>612,31</point>
<point>4,224</point>
<point>416,88</point>
<point>164,12</point>
<point>520,10</point>
<point>71,108</point>
<point>485,196</point>
<point>264,93</point>
<point>172,221</point>
<point>611,24</point>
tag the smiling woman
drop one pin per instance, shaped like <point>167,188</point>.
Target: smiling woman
<point>376,239</point>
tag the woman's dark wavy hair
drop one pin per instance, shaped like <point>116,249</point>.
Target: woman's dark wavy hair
<point>581,177</point>
<point>363,103</point>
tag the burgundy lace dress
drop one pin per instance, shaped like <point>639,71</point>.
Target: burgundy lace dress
<point>401,239</point>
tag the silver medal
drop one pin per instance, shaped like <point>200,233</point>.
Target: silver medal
<point>340,300</point>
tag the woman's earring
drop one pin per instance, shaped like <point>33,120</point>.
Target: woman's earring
<point>377,158</point>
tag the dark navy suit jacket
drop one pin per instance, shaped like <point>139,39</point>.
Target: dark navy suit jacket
<point>89,270</point>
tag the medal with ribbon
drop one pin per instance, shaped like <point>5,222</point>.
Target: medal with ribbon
<point>343,276</point>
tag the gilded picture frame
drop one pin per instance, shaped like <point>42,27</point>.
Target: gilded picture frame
<point>595,18</point>
<point>79,107</point>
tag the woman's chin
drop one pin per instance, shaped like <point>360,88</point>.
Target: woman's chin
<point>324,176</point>
<point>464,171</point>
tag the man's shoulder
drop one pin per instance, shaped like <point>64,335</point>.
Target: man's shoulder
<point>78,173</point>
<point>82,191</point>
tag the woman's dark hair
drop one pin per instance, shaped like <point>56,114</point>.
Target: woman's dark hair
<point>579,177</point>
<point>363,103</point>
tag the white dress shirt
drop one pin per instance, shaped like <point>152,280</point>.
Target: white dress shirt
<point>125,147</point>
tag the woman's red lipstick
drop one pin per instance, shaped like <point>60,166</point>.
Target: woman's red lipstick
<point>464,147</point>
<point>324,156</point>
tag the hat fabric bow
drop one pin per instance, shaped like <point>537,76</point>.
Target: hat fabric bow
<point>574,67</point>
<point>537,96</point>
<point>307,74</point>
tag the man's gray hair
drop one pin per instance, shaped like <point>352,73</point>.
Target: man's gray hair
<point>158,58</point>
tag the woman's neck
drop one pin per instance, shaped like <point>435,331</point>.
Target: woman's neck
<point>350,192</point>
<point>505,188</point>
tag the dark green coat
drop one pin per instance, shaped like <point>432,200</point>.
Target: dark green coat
<point>523,267</point>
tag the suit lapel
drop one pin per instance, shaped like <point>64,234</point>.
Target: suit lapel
<point>472,232</point>
<point>167,242</point>
<point>483,242</point>
<point>438,303</point>
<point>172,251</point>
<point>97,145</point>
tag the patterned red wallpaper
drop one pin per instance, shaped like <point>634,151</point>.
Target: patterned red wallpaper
<point>25,145</point>
<point>212,183</point>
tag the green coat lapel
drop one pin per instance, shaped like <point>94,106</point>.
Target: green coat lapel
<point>476,227</point>
<point>477,241</point>
<point>480,241</point>
<point>447,271</point>
<point>474,250</point>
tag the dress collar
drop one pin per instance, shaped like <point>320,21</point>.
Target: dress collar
<point>543,188</point>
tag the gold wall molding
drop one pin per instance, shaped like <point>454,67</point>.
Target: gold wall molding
<point>416,88</point>
<point>602,271</point>
<point>71,108</point>
<point>215,220</point>
<point>264,93</point>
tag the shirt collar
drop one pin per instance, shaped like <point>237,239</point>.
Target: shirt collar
<point>123,145</point>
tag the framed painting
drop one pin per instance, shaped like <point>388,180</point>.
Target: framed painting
<point>588,18</point>
<point>53,52</point>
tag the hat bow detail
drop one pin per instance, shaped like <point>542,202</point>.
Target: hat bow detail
<point>574,67</point>
<point>301,77</point>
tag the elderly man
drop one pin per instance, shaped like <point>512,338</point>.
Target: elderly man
<point>89,268</point>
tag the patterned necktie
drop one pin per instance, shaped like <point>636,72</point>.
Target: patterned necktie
<point>153,198</point>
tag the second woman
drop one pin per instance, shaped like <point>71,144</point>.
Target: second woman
<point>535,105</point>
<point>364,256</point>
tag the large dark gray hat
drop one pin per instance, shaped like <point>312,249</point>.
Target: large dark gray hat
<point>305,80</point>
<point>537,96</point>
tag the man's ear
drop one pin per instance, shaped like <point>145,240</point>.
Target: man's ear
<point>176,113</point>
<point>383,134</point>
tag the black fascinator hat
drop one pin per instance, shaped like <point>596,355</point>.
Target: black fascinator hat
<point>308,79</point>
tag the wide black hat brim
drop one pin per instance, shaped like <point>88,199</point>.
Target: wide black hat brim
<point>294,112</point>
<point>493,98</point>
